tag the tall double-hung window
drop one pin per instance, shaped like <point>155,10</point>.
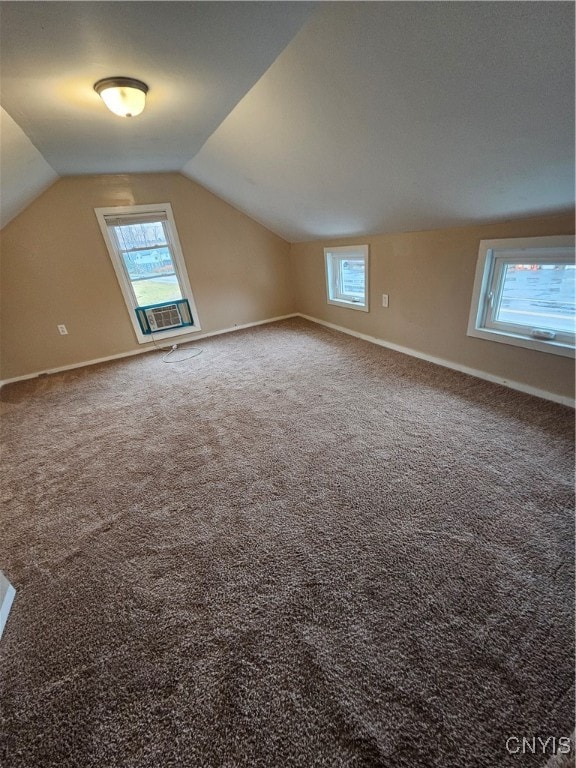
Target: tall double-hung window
<point>524,294</point>
<point>143,244</point>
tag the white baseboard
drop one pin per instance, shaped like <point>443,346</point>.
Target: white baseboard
<point>181,340</point>
<point>7,593</point>
<point>517,385</point>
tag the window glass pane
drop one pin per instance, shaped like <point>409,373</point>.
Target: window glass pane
<point>157,261</point>
<point>352,277</point>
<point>152,275</point>
<point>143,245</point>
<point>140,235</point>
<point>155,290</point>
<point>538,296</point>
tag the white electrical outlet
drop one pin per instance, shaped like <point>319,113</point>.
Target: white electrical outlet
<point>384,299</point>
<point>62,330</point>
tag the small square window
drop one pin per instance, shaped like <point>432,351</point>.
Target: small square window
<point>524,294</point>
<point>347,276</point>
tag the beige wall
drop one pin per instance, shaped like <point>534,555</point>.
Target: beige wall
<point>55,269</point>
<point>429,277</point>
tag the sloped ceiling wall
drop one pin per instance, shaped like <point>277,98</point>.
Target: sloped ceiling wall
<point>198,58</point>
<point>317,120</point>
<point>24,174</point>
<point>388,117</point>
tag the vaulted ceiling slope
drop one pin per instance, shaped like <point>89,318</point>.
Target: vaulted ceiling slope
<point>388,116</point>
<point>199,60</point>
<point>335,119</point>
<point>24,173</point>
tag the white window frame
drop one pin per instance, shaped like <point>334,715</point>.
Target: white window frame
<point>493,256</point>
<point>162,209</point>
<point>334,295</point>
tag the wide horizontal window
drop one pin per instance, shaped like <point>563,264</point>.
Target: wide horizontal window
<point>347,276</point>
<point>143,244</point>
<point>524,293</point>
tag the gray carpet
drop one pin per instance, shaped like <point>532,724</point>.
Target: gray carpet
<point>296,549</point>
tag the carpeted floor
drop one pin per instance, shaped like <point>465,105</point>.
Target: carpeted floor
<point>296,549</point>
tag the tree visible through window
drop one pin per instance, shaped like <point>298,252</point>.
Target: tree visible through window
<point>143,244</point>
<point>148,262</point>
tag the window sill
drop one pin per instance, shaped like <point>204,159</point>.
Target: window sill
<point>349,304</point>
<point>159,336</point>
<point>517,340</point>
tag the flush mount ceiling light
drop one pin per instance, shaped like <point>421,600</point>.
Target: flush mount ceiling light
<point>124,96</point>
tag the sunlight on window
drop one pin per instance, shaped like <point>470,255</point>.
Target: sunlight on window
<point>352,278</point>
<point>538,294</point>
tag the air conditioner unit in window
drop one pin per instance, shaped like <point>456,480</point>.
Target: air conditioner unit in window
<point>160,318</point>
<point>164,317</point>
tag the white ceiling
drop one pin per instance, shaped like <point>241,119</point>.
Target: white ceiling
<point>329,120</point>
<point>199,59</point>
